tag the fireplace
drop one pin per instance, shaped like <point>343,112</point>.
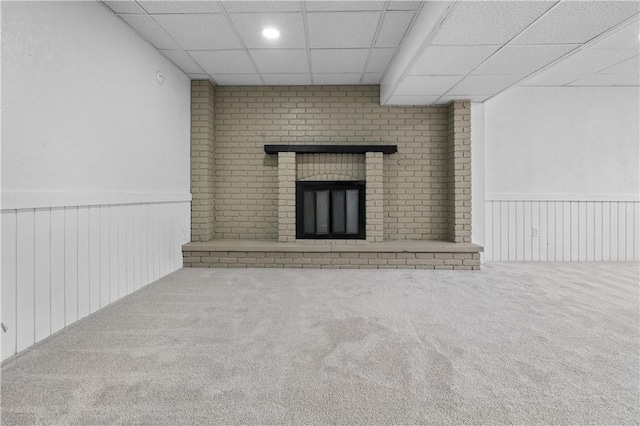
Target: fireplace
<point>330,209</point>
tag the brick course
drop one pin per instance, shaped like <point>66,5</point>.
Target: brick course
<point>334,260</point>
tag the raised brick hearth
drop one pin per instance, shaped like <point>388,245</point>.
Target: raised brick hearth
<point>417,199</point>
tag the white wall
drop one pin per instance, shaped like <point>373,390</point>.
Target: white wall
<point>562,174</point>
<point>95,165</point>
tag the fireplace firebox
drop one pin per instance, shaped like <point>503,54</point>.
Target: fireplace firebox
<point>330,209</point>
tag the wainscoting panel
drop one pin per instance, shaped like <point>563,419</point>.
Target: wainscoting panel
<point>562,231</point>
<point>61,264</point>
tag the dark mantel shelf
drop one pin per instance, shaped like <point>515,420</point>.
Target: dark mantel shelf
<point>331,149</point>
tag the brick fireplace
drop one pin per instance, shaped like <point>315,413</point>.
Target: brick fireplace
<point>417,198</point>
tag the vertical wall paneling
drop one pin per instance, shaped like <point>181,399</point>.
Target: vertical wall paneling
<point>504,231</point>
<point>94,258</point>
<point>42,273</point>
<point>61,264</point>
<point>9,236</point>
<point>130,249</point>
<point>57,269</point>
<point>71,264</point>
<point>25,284</point>
<point>105,260</point>
<point>122,251</point>
<point>614,229</point>
<point>144,241</point>
<point>114,256</point>
<point>567,230</point>
<point>535,224</point>
<point>83,262</point>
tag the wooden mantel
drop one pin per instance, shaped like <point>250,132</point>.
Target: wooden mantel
<point>331,149</point>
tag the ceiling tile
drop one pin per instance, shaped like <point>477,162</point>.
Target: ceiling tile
<point>591,60</point>
<point>394,25</point>
<point>338,6</point>
<point>484,84</point>
<point>451,60</point>
<point>472,98</point>
<point>286,79</point>
<point>404,5</point>
<point>338,60</point>
<point>603,80</point>
<point>492,22</point>
<point>281,60</point>
<point>630,66</point>
<point>262,6</point>
<point>411,100</point>
<point>150,31</point>
<point>200,32</point>
<point>522,59</point>
<point>250,26</point>
<point>426,85</point>
<point>224,61</point>
<point>379,59</point>
<point>165,6</point>
<point>343,78</point>
<point>341,29</point>
<point>372,78</point>
<point>237,79</point>
<point>635,81</point>
<point>577,22</point>
<point>183,61</point>
<point>199,76</point>
<point>124,6</point>
<point>548,79</point>
<point>626,38</point>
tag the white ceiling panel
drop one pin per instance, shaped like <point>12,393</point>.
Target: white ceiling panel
<point>288,61</point>
<point>484,84</point>
<point>548,79</point>
<point>491,22</point>
<point>379,60</point>
<point>338,60</point>
<point>199,76</point>
<point>403,5</point>
<point>237,79</point>
<point>224,61</point>
<point>262,6</point>
<point>630,66</point>
<point>250,26</point>
<point>341,29</point>
<point>183,61</point>
<point>341,6</point>
<point>451,60</point>
<point>340,78</point>
<point>286,79</point>
<point>522,59</point>
<point>412,100</point>
<point>372,78</point>
<point>635,81</point>
<point>603,80</point>
<point>200,32</point>
<point>426,85</point>
<point>150,31</point>
<point>165,6</point>
<point>394,25</point>
<point>626,38</point>
<point>591,60</point>
<point>472,98</point>
<point>124,6</point>
<point>577,22</point>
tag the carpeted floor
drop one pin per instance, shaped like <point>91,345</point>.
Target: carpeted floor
<point>511,344</point>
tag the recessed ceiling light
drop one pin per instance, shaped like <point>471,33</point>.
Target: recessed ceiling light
<point>271,33</point>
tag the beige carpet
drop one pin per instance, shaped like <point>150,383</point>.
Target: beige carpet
<point>511,344</point>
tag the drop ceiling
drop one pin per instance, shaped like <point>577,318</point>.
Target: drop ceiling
<point>420,52</point>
